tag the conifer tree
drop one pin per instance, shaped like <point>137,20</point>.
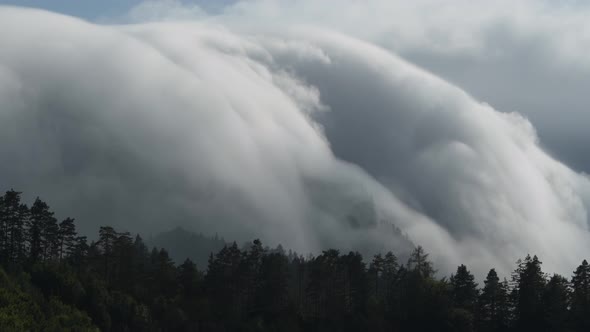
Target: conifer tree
<point>272,295</point>
<point>79,252</point>
<point>464,288</point>
<point>41,230</point>
<point>556,299</point>
<point>249,271</point>
<point>528,294</point>
<point>375,272</point>
<point>50,239</point>
<point>13,216</point>
<point>66,237</point>
<point>580,302</point>
<point>493,304</point>
<point>18,234</point>
<point>107,236</point>
<point>418,262</point>
<point>188,277</point>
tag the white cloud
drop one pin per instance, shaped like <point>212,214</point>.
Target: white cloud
<point>525,56</point>
<point>283,131</point>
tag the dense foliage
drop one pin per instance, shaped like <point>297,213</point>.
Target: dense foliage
<point>52,279</point>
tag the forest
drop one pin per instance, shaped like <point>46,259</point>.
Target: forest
<point>54,279</point>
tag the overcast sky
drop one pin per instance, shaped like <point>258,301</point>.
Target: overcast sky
<point>310,123</point>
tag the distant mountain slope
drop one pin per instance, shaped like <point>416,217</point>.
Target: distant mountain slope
<point>182,244</point>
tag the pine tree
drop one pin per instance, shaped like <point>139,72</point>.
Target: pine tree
<point>528,294</point>
<point>249,276</point>
<point>419,263</point>
<point>122,261</point>
<point>419,292</point>
<point>140,268</point>
<point>387,279</point>
<point>164,274</point>
<point>50,239</point>
<point>464,289</point>
<point>354,283</point>
<point>19,234</point>
<point>7,212</point>
<point>13,216</point>
<point>41,229</point>
<point>580,305</point>
<point>272,295</point>
<point>66,237</point>
<point>188,278</point>
<point>375,272</point>
<point>556,300</point>
<point>107,236</point>
<point>493,304</point>
<point>3,222</point>
<point>323,296</point>
<point>390,266</point>
<point>222,282</point>
<point>79,252</point>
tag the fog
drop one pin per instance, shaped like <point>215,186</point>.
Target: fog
<point>297,133</point>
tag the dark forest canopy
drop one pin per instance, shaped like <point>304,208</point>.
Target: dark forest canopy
<point>53,279</point>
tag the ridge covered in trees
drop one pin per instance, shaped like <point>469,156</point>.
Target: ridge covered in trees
<point>182,244</point>
<point>53,279</point>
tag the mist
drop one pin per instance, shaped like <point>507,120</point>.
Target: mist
<point>308,135</point>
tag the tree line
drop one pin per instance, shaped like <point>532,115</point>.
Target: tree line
<point>53,279</point>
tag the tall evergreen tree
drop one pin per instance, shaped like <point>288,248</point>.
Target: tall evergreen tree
<point>79,252</point>
<point>223,283</point>
<point>41,230</point>
<point>66,238</point>
<point>272,295</point>
<point>556,300</point>
<point>13,216</point>
<point>494,305</point>
<point>421,295</point>
<point>122,261</point>
<point>8,210</point>
<point>19,234</point>
<point>188,277</point>
<point>249,271</point>
<point>107,237</point>
<point>354,283</point>
<point>580,302</point>
<point>464,288</point>
<point>390,266</point>
<point>50,239</point>
<point>163,282</point>
<point>528,294</point>
<point>418,262</point>
<point>375,272</point>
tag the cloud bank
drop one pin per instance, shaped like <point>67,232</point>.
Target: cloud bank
<point>302,135</point>
<point>527,56</point>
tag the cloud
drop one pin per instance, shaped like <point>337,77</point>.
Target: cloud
<point>134,127</point>
<point>298,134</point>
<point>477,172</point>
<point>526,56</point>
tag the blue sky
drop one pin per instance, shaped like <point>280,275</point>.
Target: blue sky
<point>96,9</point>
<point>86,9</point>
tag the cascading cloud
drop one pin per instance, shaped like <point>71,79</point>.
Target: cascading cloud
<point>301,136</point>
